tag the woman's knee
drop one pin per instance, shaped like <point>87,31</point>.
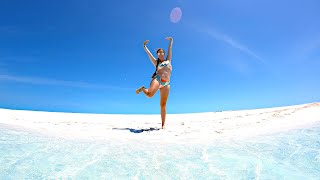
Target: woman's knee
<point>150,94</point>
<point>163,104</point>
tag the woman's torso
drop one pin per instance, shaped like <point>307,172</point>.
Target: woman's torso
<point>164,69</point>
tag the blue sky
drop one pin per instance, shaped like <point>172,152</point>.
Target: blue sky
<point>88,56</point>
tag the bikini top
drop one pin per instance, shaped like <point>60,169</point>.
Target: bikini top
<point>165,63</point>
<point>161,65</point>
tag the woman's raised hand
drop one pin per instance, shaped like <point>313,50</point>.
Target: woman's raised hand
<point>145,43</point>
<point>169,38</point>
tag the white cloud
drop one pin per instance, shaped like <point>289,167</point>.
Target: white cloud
<point>53,82</point>
<point>311,47</point>
<point>8,29</point>
<point>3,68</point>
<point>228,40</point>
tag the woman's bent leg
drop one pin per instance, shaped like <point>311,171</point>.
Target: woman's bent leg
<point>154,86</point>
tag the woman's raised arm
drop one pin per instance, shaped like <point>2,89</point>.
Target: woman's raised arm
<point>152,59</point>
<point>169,56</point>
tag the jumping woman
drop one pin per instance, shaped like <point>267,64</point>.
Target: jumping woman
<point>160,78</point>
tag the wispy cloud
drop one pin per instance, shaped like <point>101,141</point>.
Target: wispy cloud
<point>3,68</point>
<point>53,82</point>
<point>310,47</point>
<point>8,29</point>
<point>18,59</point>
<point>303,50</point>
<point>228,40</point>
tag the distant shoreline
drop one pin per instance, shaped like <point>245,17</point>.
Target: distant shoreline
<point>203,127</point>
<point>93,113</point>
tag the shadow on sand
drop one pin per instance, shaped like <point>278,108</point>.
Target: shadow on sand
<point>137,130</point>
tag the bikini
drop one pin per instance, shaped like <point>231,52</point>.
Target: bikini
<point>163,82</point>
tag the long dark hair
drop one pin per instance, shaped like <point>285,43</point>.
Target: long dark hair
<point>158,60</point>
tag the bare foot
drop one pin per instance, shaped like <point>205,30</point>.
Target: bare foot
<point>140,89</point>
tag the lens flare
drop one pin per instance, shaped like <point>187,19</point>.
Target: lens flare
<point>175,15</point>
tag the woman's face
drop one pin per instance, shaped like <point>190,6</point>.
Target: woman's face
<point>160,54</point>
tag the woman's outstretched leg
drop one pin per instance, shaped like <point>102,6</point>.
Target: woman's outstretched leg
<point>164,93</point>
<point>154,86</point>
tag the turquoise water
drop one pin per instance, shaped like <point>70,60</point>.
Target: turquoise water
<point>288,155</point>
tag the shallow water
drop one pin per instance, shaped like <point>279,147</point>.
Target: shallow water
<point>289,155</point>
